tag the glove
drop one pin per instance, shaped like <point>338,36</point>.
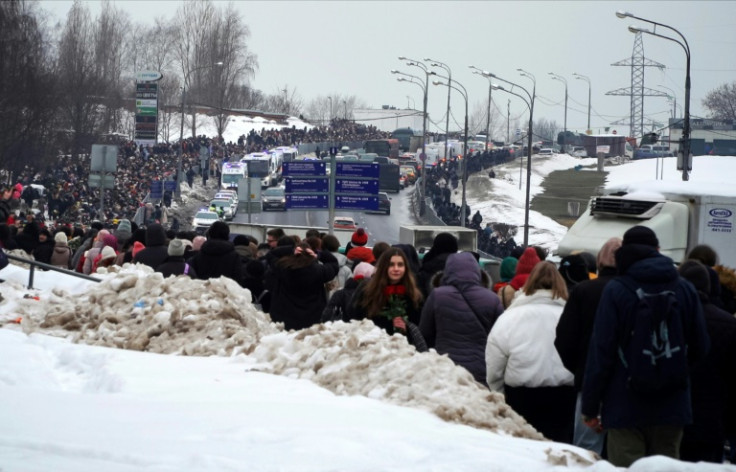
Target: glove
<point>399,324</point>
<point>593,423</point>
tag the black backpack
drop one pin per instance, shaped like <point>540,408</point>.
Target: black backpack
<point>654,350</point>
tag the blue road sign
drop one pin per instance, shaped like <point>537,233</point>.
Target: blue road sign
<point>309,202</point>
<point>358,169</point>
<point>170,185</point>
<point>306,184</point>
<point>304,168</point>
<point>157,189</point>
<point>356,186</point>
<point>351,202</point>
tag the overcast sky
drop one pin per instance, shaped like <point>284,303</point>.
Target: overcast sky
<point>348,48</point>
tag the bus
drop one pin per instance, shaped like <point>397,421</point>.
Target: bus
<point>232,172</point>
<point>409,140</point>
<point>289,153</point>
<point>383,147</point>
<point>266,165</point>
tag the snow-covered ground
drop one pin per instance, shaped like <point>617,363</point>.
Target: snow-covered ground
<point>144,373</point>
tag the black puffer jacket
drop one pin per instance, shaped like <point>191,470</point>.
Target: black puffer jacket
<point>576,323</point>
<point>298,295</point>
<point>459,314</point>
<point>156,250</point>
<point>217,258</point>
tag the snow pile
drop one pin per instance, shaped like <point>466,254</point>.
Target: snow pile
<point>358,358</point>
<point>135,308</point>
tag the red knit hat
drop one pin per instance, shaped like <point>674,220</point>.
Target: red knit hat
<point>527,261</point>
<point>359,237</point>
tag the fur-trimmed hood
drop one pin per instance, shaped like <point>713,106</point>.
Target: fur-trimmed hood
<point>727,277</point>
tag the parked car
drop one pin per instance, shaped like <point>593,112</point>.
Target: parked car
<point>203,219</point>
<point>648,151</point>
<point>546,152</point>
<point>274,198</point>
<point>411,173</point>
<point>344,222</point>
<point>579,151</point>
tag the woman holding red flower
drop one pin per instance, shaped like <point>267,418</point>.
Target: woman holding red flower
<point>391,297</point>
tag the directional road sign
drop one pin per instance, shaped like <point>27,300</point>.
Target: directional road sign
<point>351,202</point>
<point>304,168</point>
<point>309,202</point>
<point>356,186</point>
<point>358,169</point>
<point>306,184</point>
<point>157,189</point>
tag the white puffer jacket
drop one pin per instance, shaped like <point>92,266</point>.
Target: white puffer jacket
<point>521,347</point>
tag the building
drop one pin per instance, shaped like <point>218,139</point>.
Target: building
<point>715,137</point>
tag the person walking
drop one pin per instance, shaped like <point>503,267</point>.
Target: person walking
<point>573,336</point>
<point>217,257</point>
<point>62,255</point>
<point>457,317</point>
<point>521,360</point>
<point>644,413</point>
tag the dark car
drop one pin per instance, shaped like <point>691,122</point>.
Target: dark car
<point>384,203</point>
<point>274,198</point>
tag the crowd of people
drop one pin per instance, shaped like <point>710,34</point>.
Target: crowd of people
<point>66,194</point>
<point>561,343</point>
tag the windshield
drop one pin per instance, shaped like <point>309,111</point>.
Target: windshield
<point>206,215</point>
<point>220,203</point>
<point>274,192</point>
<point>231,178</point>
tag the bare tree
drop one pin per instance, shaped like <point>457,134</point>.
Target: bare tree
<point>27,92</point>
<point>109,53</point>
<point>546,130</point>
<point>721,102</point>
<point>79,86</point>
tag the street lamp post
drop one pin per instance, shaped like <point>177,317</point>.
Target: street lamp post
<point>181,135</point>
<point>587,79</point>
<point>685,164</point>
<point>423,157</point>
<point>425,118</point>
<point>530,104</point>
<point>464,93</point>
<point>490,90</point>
<point>564,80</point>
<point>434,63</point>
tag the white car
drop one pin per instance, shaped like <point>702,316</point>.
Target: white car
<point>579,151</point>
<point>546,152</point>
<point>228,206</point>
<point>226,194</point>
<point>203,219</point>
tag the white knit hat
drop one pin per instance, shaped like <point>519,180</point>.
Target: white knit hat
<point>60,237</point>
<point>107,253</point>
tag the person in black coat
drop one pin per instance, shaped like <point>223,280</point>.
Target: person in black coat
<point>574,331</point>
<point>712,381</point>
<point>297,286</point>
<point>175,263</point>
<point>45,247</point>
<point>217,257</point>
<point>434,260</point>
<point>156,250</point>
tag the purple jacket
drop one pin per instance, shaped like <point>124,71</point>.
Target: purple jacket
<point>459,314</point>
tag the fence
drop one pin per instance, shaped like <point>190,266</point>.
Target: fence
<point>41,265</point>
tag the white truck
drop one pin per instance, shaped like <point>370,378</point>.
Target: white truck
<point>682,214</point>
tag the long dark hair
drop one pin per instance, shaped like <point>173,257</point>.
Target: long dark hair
<point>374,297</point>
<point>297,261</point>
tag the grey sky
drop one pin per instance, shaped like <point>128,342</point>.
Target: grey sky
<point>348,48</point>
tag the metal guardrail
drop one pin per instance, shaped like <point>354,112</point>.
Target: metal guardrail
<point>41,265</point>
